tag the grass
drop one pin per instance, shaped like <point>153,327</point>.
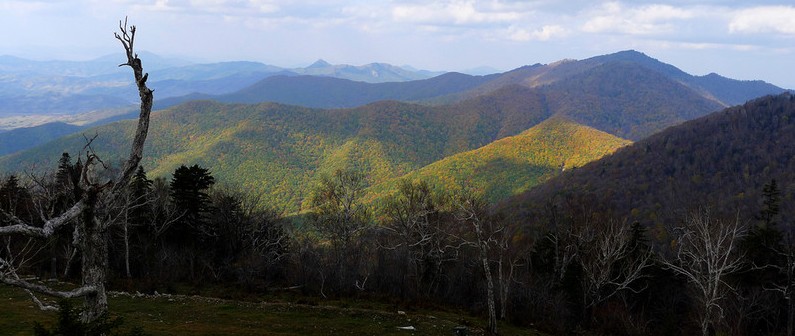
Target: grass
<point>196,315</point>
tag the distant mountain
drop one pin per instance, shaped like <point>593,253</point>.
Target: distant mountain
<point>626,99</point>
<point>628,93</point>
<point>482,71</point>
<point>370,73</point>
<point>104,65</point>
<point>732,91</point>
<point>329,92</point>
<point>721,161</point>
<point>29,87</point>
<point>724,91</point>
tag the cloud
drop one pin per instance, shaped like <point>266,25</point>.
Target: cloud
<point>614,17</point>
<point>206,7</point>
<point>657,44</point>
<point>765,19</point>
<point>21,6</point>
<point>545,33</point>
<point>455,12</point>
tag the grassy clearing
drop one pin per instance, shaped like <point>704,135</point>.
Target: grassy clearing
<point>195,315</point>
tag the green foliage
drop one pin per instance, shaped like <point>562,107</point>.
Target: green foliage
<point>514,164</point>
<point>280,151</point>
<point>337,213</point>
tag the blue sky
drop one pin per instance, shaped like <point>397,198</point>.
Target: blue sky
<point>738,39</point>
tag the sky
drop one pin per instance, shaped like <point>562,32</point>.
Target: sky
<point>738,39</point>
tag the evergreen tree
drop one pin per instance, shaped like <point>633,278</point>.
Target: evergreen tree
<point>771,199</point>
<point>189,187</point>
<point>764,241</point>
<point>140,188</point>
<point>12,195</point>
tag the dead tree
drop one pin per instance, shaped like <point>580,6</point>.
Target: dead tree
<point>611,263</point>
<point>89,213</point>
<point>472,210</point>
<point>511,253</point>
<point>706,254</point>
<point>786,271</point>
<point>342,220</point>
<point>416,231</point>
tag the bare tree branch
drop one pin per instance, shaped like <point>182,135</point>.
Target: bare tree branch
<point>705,255</point>
<point>77,292</point>
<point>49,227</point>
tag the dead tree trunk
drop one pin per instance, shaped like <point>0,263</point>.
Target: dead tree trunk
<point>89,213</point>
<point>472,211</point>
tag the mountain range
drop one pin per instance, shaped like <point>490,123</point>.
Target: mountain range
<point>503,133</point>
<point>45,88</point>
<point>721,162</point>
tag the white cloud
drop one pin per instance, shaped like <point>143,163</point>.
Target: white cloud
<point>656,44</point>
<point>615,17</point>
<point>545,33</point>
<point>455,12</point>
<point>207,7</point>
<point>21,6</point>
<point>765,19</point>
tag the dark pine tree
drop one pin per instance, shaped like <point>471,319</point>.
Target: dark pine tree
<point>189,187</point>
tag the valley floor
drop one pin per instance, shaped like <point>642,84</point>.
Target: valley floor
<point>194,315</point>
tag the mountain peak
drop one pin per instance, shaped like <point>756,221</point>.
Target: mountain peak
<point>320,63</point>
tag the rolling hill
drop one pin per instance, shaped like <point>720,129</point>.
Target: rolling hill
<point>278,150</point>
<point>514,164</point>
<point>722,161</point>
<point>21,138</point>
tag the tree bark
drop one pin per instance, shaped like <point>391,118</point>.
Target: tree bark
<point>94,250</point>
<point>484,257</point>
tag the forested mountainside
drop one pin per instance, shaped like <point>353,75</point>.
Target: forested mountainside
<point>22,138</point>
<point>574,88</point>
<point>513,164</point>
<point>627,94</point>
<point>279,149</point>
<point>721,161</point>
<point>626,99</point>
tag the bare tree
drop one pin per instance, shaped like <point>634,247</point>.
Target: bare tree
<point>510,257</point>
<point>473,210</point>
<point>611,262</point>
<point>785,286</point>
<point>417,231</point>
<point>706,254</point>
<point>89,212</point>
<point>341,219</point>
